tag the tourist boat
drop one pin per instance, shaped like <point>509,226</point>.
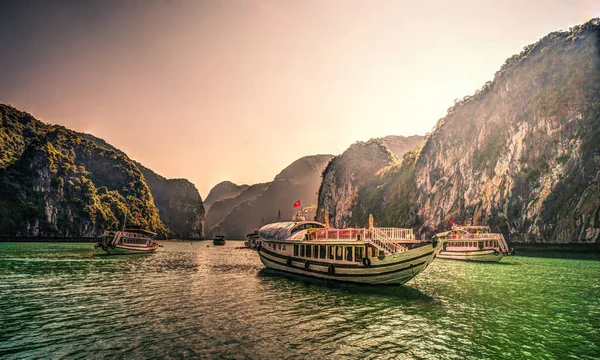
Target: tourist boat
<point>251,238</point>
<point>365,255</point>
<point>127,241</point>
<point>473,243</point>
<point>219,240</point>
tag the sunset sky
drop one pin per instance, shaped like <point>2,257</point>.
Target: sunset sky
<point>236,90</point>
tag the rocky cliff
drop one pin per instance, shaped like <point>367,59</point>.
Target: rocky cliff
<point>220,209</point>
<point>57,182</point>
<point>520,155</point>
<point>299,181</point>
<point>223,190</point>
<point>179,205</point>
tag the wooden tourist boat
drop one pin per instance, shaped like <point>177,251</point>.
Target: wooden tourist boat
<point>366,255</point>
<point>219,240</point>
<point>126,241</point>
<point>251,240</point>
<point>473,243</point>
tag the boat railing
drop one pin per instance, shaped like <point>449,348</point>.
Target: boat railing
<point>488,236</point>
<point>390,240</point>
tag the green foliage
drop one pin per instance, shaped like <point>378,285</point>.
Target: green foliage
<point>48,178</point>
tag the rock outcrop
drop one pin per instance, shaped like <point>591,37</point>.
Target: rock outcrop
<point>56,182</point>
<point>521,155</point>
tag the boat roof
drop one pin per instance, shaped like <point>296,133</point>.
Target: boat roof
<point>282,230</point>
<point>140,231</point>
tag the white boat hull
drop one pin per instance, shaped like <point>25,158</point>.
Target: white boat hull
<point>127,250</point>
<point>473,255</point>
<point>394,269</point>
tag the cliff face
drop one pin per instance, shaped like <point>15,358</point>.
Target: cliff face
<point>356,167</point>
<point>179,205</point>
<point>57,182</point>
<point>521,155</point>
<point>223,190</point>
<point>298,181</point>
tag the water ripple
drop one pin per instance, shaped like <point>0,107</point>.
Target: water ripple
<point>190,300</point>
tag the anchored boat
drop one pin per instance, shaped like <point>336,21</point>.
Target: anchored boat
<point>127,241</point>
<point>219,240</point>
<point>365,255</point>
<point>473,243</point>
<point>251,240</point>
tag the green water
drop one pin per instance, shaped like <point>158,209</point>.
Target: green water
<point>200,301</point>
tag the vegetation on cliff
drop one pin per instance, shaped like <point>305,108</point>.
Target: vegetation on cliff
<point>520,155</point>
<point>57,182</point>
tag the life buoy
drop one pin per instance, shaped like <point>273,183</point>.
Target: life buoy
<point>289,261</point>
<point>331,269</point>
<point>381,255</point>
<point>366,262</point>
<point>307,265</point>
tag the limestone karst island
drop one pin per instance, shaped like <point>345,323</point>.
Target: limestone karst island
<point>280,179</point>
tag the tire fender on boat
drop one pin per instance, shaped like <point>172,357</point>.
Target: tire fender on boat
<point>258,247</point>
<point>381,255</point>
<point>95,246</point>
<point>307,265</point>
<point>112,246</point>
<point>366,262</point>
<point>496,253</point>
<point>104,248</point>
<point>331,269</point>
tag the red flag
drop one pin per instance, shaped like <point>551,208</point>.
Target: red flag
<point>451,222</point>
<point>296,204</point>
<point>137,216</point>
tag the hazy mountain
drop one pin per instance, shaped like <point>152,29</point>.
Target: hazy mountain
<point>57,182</point>
<point>220,209</point>
<point>299,181</point>
<point>222,190</point>
<point>520,155</point>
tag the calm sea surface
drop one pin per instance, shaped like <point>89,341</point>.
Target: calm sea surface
<point>194,300</point>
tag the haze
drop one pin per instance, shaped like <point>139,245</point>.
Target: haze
<point>237,90</point>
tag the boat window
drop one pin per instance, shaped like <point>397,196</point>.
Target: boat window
<point>279,246</point>
<point>358,253</point>
<point>330,252</point>
<point>308,250</point>
<point>372,252</point>
<point>322,254</point>
<point>302,250</point>
<point>316,251</point>
<point>338,253</point>
<point>348,253</point>
<point>295,250</point>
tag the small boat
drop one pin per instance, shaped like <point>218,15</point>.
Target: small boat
<point>250,243</point>
<point>219,240</point>
<point>362,255</point>
<point>127,241</point>
<point>473,243</point>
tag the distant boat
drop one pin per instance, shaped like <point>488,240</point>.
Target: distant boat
<point>251,240</point>
<point>473,243</point>
<point>127,241</point>
<point>364,255</point>
<point>219,240</point>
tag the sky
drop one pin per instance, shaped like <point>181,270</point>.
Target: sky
<point>237,90</point>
